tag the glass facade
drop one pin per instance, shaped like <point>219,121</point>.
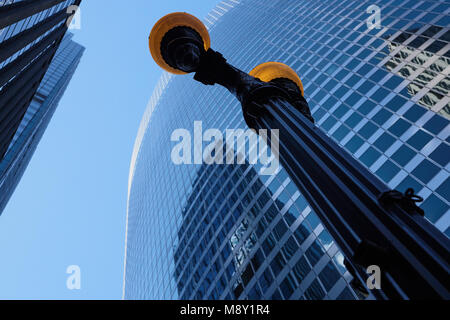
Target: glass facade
<point>38,116</point>
<point>226,232</point>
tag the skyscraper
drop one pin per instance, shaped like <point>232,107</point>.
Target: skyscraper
<point>221,232</point>
<point>32,79</point>
<point>37,116</point>
<point>30,33</point>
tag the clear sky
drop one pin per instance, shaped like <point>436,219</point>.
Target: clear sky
<point>70,206</point>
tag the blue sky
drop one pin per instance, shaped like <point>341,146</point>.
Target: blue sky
<point>70,206</point>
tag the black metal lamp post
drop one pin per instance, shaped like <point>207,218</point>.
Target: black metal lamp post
<point>371,224</point>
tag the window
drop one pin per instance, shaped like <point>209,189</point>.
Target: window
<point>319,114</point>
<point>425,171</point>
<point>380,74</point>
<point>238,290</point>
<point>442,154</point>
<point>354,144</point>
<point>314,253</point>
<point>366,87</point>
<point>341,111</point>
<point>269,244</point>
<point>266,279</point>
<point>384,142</point>
<point>341,133</point>
<point>353,120</point>
<point>291,216</point>
<point>382,116</point>
<point>434,208</point>
<point>387,171</point>
<point>329,276</point>
<point>339,261</point>
<point>247,275</point>
<point>288,286</point>
<point>280,229</point>
<point>393,82</point>
<point>301,269</point>
<point>368,130</point>
<point>292,188</point>
<point>414,113</point>
<point>346,295</point>
<point>370,156</point>
<point>399,127</point>
<point>302,233</point>
<point>444,189</point>
<point>419,139</point>
<point>315,291</point>
<point>396,103</point>
<point>277,295</point>
<point>301,203</point>
<point>290,248</point>
<point>353,99</point>
<point>326,239</point>
<point>278,263</point>
<point>436,124</point>
<point>257,259</point>
<point>327,105</point>
<point>403,155</point>
<point>352,81</point>
<point>313,220</point>
<point>329,123</point>
<point>255,293</point>
<point>341,92</point>
<point>380,95</point>
<point>409,182</point>
<point>367,107</point>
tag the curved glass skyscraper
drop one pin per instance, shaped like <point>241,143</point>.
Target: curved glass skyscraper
<point>379,89</point>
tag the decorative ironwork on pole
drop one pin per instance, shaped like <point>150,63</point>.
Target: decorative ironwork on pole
<point>372,224</point>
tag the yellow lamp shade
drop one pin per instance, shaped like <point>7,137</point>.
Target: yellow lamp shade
<point>273,70</point>
<point>167,23</point>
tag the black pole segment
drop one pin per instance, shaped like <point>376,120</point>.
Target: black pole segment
<point>21,40</point>
<point>18,11</point>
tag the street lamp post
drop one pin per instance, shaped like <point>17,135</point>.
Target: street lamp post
<point>373,225</point>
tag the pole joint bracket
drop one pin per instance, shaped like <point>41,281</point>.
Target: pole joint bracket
<point>211,67</point>
<point>407,201</point>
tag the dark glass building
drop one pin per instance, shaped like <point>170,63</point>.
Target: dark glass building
<point>37,116</point>
<point>30,33</point>
<point>37,61</point>
<point>228,232</point>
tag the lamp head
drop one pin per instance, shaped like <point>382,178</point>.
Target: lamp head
<point>274,70</point>
<point>175,37</point>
